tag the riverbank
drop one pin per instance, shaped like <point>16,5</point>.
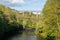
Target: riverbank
<point>10,30</point>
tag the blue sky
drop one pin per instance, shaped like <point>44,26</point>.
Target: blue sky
<point>24,4</point>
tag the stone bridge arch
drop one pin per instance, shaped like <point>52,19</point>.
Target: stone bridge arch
<point>30,13</point>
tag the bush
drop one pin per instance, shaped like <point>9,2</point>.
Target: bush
<point>50,37</point>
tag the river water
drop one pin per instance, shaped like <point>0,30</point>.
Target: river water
<point>24,36</point>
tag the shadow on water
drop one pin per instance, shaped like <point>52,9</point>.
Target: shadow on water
<point>25,35</point>
<point>11,33</point>
<point>19,35</point>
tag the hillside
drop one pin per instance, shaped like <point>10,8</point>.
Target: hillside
<point>51,13</point>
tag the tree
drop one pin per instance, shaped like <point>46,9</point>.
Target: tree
<point>51,13</point>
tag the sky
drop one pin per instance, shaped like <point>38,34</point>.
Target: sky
<point>24,4</point>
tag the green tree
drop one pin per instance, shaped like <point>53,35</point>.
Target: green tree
<point>51,13</point>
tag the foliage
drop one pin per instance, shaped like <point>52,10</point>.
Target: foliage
<point>51,15</point>
<point>5,24</point>
<point>11,20</point>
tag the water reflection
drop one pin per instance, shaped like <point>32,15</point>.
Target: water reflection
<point>24,36</point>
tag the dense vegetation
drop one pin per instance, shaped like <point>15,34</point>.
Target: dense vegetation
<point>47,24</point>
<point>5,21</point>
<point>12,20</point>
<point>51,15</point>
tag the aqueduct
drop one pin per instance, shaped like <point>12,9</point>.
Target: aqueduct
<point>36,12</point>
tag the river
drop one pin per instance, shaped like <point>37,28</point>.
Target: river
<point>24,36</point>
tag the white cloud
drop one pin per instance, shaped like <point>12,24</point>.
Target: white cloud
<point>18,1</point>
<point>36,13</point>
<point>12,3</point>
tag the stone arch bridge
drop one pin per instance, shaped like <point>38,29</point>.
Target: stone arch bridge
<point>36,12</point>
